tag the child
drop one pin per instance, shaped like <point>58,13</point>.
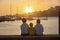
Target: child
<point>31,30</point>
<point>24,28</point>
<point>39,28</point>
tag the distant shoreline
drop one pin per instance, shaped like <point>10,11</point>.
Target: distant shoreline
<point>32,18</point>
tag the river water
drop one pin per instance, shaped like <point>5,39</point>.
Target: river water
<point>51,26</point>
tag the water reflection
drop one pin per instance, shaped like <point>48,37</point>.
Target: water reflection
<point>51,26</point>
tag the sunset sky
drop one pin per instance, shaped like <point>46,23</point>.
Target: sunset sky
<point>21,5</point>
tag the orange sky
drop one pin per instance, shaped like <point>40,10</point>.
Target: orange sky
<point>36,5</point>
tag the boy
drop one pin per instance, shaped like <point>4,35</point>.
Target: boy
<point>31,30</point>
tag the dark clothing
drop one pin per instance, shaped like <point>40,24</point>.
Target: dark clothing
<point>24,34</point>
<point>39,35</point>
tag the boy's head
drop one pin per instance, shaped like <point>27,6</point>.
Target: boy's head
<point>31,24</point>
<point>38,21</point>
<point>24,20</point>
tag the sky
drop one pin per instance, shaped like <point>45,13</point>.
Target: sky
<point>11,6</point>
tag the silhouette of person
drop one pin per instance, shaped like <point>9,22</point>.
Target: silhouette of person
<point>24,27</point>
<point>39,28</point>
<point>31,30</point>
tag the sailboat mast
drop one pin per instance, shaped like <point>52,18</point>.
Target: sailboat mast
<point>10,7</point>
<point>17,10</point>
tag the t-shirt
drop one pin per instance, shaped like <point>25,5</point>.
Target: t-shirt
<point>24,28</point>
<point>39,29</point>
<point>31,31</point>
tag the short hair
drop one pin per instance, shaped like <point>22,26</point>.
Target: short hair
<point>31,24</point>
<point>23,20</point>
<point>38,21</point>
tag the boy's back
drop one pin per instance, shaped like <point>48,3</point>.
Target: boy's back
<point>39,29</point>
<point>31,31</point>
<point>24,28</point>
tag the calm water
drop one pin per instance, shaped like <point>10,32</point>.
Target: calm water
<point>51,26</point>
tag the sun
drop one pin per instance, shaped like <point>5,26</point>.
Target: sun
<point>28,10</point>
